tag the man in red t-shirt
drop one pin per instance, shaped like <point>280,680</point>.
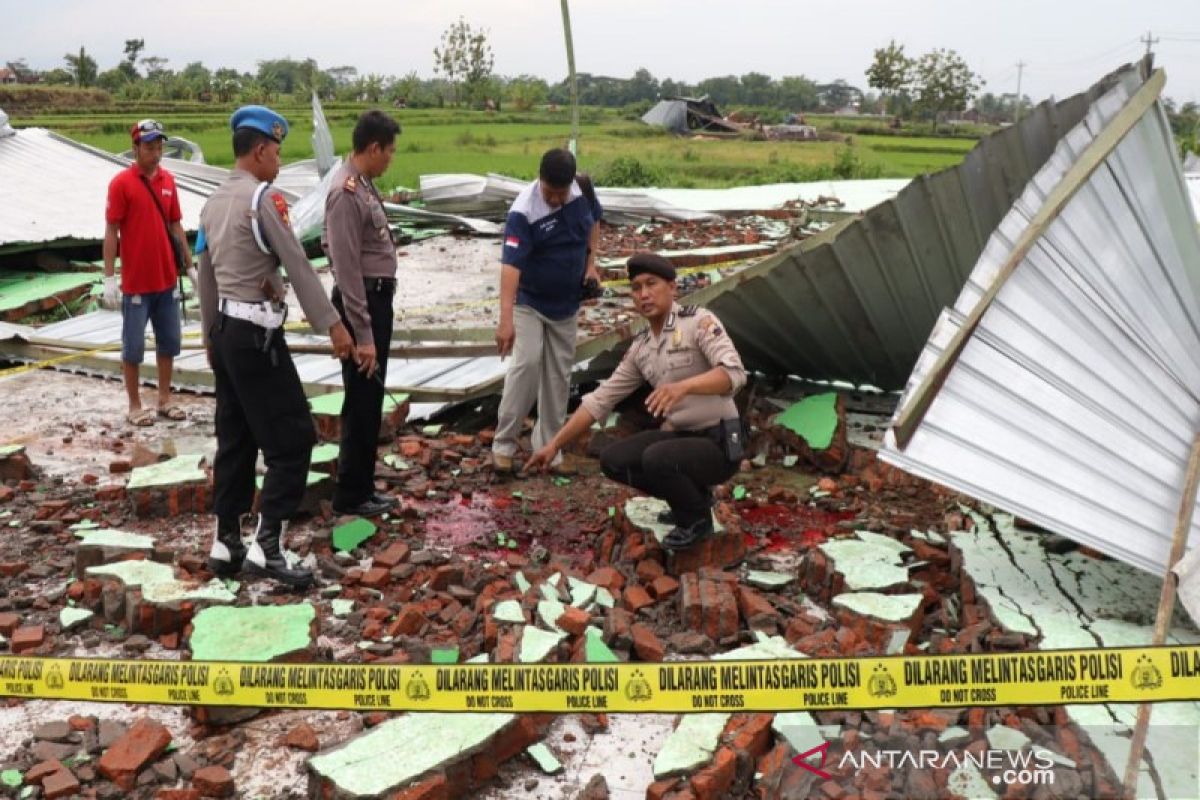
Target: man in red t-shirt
<point>142,204</point>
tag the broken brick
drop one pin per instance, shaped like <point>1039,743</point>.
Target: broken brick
<point>647,646</point>
<point>573,620</point>
<point>714,781</point>
<point>27,638</point>
<point>39,772</point>
<point>9,622</point>
<point>60,784</point>
<point>394,555</point>
<point>409,622</point>
<point>375,577</point>
<point>213,781</point>
<point>648,569</point>
<point>663,587</point>
<point>754,736</point>
<point>145,741</point>
<point>445,576</point>
<point>636,598</point>
<point>177,794</point>
<point>302,737</point>
<point>607,577</point>
<point>432,788</point>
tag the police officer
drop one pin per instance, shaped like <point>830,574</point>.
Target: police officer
<point>363,256</point>
<point>694,372</point>
<point>245,234</point>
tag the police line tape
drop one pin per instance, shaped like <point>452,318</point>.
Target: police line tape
<point>1130,675</point>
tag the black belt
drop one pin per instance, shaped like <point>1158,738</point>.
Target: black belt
<point>380,285</point>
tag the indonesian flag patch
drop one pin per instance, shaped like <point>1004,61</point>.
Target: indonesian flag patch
<point>512,241</point>
<point>282,207</point>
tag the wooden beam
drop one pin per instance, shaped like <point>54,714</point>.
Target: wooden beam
<point>1088,162</point>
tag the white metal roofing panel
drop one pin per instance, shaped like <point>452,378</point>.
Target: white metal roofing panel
<point>1075,401</point>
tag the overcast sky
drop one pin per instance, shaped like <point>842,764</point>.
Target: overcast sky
<point>1066,44</point>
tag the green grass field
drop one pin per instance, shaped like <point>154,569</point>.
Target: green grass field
<point>450,140</point>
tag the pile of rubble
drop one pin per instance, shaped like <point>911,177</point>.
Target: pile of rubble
<point>822,551</point>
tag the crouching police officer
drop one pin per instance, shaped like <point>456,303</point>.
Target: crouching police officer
<point>694,372</point>
<point>245,235</point>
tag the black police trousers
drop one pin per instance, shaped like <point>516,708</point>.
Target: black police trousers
<point>677,466</point>
<point>260,406</point>
<point>362,410</point>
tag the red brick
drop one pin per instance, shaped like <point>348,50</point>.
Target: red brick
<point>177,794</point>
<point>659,789</point>
<point>79,723</point>
<point>39,772</point>
<point>636,598</point>
<point>528,729</point>
<point>648,569</point>
<point>446,576</point>
<point>464,621</point>
<point>376,577</point>
<point>408,623</point>
<point>647,646</point>
<point>394,555</point>
<point>11,569</point>
<point>663,587</point>
<point>754,736</point>
<point>6,493</point>
<point>714,780</point>
<point>483,767</point>
<point>27,638</point>
<point>573,620</point>
<point>690,610</point>
<point>142,743</point>
<point>432,788</point>
<point>754,604</point>
<point>616,626</point>
<point>9,622</point>
<point>60,784</point>
<point>608,578</point>
<point>302,737</point>
<point>213,781</point>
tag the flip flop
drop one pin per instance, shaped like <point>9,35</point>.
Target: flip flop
<point>172,411</point>
<point>140,418</point>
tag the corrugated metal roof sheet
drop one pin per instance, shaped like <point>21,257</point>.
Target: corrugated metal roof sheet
<point>858,301</point>
<point>1075,401</point>
<point>51,189</point>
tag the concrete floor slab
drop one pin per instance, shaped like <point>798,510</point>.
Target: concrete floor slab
<point>691,746</point>
<point>112,538</point>
<point>256,633</point>
<point>866,563</point>
<point>172,472</point>
<point>536,644</point>
<point>885,607</point>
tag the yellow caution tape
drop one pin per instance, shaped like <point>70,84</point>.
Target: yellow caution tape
<point>1133,675</point>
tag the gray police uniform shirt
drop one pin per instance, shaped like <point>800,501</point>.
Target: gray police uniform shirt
<point>232,266</point>
<point>691,343</point>
<point>358,243</point>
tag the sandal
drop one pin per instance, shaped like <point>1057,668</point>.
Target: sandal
<point>140,418</point>
<point>172,411</point>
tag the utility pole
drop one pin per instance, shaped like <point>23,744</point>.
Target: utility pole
<point>1020,71</point>
<point>1149,41</point>
<point>566,15</point>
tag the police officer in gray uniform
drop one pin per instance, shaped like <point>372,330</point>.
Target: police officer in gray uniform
<point>694,371</point>
<point>245,235</point>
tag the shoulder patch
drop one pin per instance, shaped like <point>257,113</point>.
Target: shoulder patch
<point>282,207</point>
<point>351,184</point>
<point>688,311</point>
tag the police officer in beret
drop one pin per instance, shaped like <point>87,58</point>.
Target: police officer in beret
<point>245,235</point>
<point>694,372</point>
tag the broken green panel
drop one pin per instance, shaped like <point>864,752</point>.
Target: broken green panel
<point>953,737</point>
<point>330,404</point>
<point>582,592</point>
<point>560,481</point>
<point>85,525</point>
<point>341,607</point>
<point>172,472</point>
<point>310,480</point>
<point>544,759</point>
<point>403,749</point>
<point>68,618</point>
<point>799,729</point>
<point>814,419</point>
<point>9,450</point>
<point>643,512</point>
<point>739,492</point>
<point>395,462</point>
<point>1002,737</point>
<point>325,453</point>
<point>134,573</point>
<point>550,610</point>
<point>12,778</point>
<point>691,745</point>
<point>768,580</point>
<point>536,644</point>
<point>604,597</point>
<point>174,591</point>
<point>522,583</point>
<point>443,655</point>
<point>19,289</point>
<point>867,563</point>
<point>885,607</point>
<point>350,535</point>
<point>595,650</point>
<point>254,633</point>
<point>508,611</point>
<point>109,537</point>
<point>548,592</point>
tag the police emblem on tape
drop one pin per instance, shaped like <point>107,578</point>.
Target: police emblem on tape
<point>416,689</point>
<point>881,683</point>
<point>1145,675</point>
<point>638,689</point>
<point>54,679</point>
<point>223,684</point>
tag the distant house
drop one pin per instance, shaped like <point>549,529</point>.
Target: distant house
<point>7,76</point>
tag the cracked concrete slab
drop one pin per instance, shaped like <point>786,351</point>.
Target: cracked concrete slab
<point>256,633</point>
<point>182,469</point>
<point>884,607</point>
<point>868,561</point>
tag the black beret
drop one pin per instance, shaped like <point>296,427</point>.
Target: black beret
<point>652,263</point>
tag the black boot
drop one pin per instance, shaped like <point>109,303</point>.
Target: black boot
<point>668,517</point>
<point>228,550</point>
<point>265,556</point>
<point>684,538</point>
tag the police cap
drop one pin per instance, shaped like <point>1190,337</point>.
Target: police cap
<point>261,119</point>
<point>652,263</point>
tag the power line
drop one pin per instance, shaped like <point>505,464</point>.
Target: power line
<point>1149,41</point>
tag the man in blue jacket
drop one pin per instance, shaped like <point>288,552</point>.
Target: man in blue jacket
<point>550,244</point>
